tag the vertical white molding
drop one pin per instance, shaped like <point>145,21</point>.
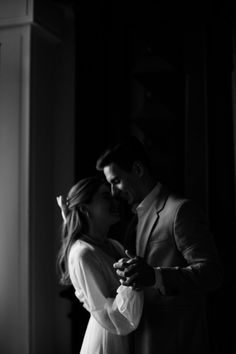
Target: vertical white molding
<point>24,266</point>
<point>14,300</point>
<point>16,12</point>
<point>14,178</point>
<point>33,317</point>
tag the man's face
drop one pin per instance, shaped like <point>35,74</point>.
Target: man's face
<point>123,184</point>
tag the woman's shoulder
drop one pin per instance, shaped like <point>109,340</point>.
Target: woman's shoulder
<point>81,250</point>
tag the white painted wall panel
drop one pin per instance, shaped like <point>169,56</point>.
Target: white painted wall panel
<point>14,83</point>
<point>15,11</point>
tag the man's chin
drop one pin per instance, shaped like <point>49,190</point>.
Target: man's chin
<point>130,202</point>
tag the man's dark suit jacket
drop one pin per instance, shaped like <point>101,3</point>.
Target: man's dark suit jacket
<point>177,240</point>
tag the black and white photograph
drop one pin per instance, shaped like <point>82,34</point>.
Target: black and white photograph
<point>117,177</point>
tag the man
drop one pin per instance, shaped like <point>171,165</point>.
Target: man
<point>176,260</point>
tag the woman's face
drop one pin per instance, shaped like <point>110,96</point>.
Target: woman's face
<point>103,209</point>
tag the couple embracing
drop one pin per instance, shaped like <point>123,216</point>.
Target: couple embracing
<point>148,295</point>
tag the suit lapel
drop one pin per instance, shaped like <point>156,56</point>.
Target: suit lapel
<point>151,221</point>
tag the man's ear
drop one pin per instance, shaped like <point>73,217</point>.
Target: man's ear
<point>138,168</point>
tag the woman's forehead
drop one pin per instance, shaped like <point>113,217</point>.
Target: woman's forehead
<point>104,188</point>
<point>103,191</point>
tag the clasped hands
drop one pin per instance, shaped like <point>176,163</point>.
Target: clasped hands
<point>135,272</point>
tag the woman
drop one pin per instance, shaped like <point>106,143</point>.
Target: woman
<point>86,260</point>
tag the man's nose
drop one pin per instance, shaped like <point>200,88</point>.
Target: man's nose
<point>114,191</point>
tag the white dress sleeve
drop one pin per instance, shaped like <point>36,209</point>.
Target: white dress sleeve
<point>119,315</point>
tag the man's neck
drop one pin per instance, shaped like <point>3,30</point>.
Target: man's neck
<point>148,187</point>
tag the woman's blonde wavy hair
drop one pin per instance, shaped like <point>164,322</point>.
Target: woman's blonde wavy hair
<point>75,222</point>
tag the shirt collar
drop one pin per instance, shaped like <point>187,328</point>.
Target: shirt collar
<point>148,200</point>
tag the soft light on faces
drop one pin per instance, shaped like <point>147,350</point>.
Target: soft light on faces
<point>125,184</point>
<point>103,212</point>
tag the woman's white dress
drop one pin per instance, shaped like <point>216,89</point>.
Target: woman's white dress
<point>115,309</point>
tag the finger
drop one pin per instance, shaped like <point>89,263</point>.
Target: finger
<point>118,265</point>
<point>130,254</point>
<point>122,260</point>
<point>132,261</point>
<point>121,263</point>
<point>121,274</point>
<point>131,280</point>
<point>131,269</point>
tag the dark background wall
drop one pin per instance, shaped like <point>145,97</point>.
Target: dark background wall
<point>167,76</point>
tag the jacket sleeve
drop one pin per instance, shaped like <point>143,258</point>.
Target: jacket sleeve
<point>119,314</point>
<point>202,270</point>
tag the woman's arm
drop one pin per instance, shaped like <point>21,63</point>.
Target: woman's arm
<point>119,315</point>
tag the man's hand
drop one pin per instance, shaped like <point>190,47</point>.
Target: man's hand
<point>135,272</point>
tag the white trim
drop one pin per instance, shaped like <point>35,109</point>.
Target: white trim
<point>24,266</point>
<point>25,18</point>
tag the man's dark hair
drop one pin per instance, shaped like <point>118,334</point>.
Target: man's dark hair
<point>124,154</point>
